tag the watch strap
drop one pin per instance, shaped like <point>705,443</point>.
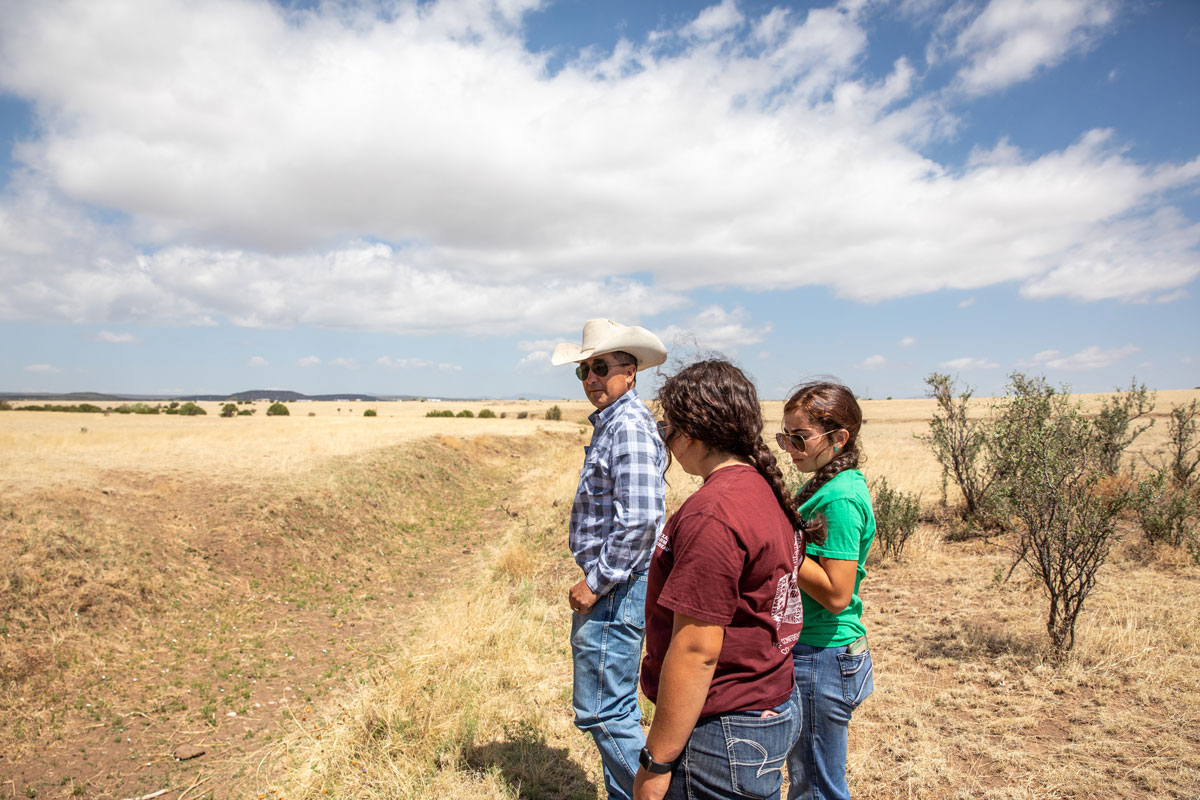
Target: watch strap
<point>650,765</point>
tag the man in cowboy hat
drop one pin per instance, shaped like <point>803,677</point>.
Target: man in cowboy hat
<point>617,515</point>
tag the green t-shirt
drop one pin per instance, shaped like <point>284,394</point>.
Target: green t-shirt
<point>846,504</point>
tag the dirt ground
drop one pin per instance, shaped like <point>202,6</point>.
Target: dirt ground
<point>170,590</point>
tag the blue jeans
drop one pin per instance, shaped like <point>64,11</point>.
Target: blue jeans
<point>606,647</point>
<point>739,754</point>
<point>830,683</point>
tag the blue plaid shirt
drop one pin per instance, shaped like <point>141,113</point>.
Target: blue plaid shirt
<point>620,505</point>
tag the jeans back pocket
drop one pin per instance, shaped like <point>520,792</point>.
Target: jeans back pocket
<point>858,679</point>
<point>758,747</point>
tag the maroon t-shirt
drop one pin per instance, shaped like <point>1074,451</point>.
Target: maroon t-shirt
<point>728,556</point>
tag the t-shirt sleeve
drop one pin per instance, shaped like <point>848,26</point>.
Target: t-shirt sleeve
<point>708,563</point>
<point>846,520</point>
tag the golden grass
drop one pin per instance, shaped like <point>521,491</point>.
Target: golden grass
<point>473,701</point>
<point>45,448</point>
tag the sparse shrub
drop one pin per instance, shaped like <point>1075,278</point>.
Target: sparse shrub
<point>5,405</point>
<point>370,412</point>
<point>246,412</point>
<point>190,409</point>
<point>958,443</point>
<point>466,413</point>
<point>554,413</point>
<point>1183,445</point>
<point>522,414</point>
<point>487,413</point>
<point>1167,512</point>
<point>229,410</point>
<point>503,415</point>
<point>1115,429</point>
<point>1054,492</point>
<point>896,516</point>
<point>312,413</point>
<point>174,404</point>
<point>136,408</point>
<point>446,413</point>
<point>278,409</point>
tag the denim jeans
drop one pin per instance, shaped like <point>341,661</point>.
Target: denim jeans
<point>606,647</point>
<point>739,754</point>
<point>830,683</point>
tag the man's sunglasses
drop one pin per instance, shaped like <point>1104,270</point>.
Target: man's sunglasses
<point>797,442</point>
<point>599,366</point>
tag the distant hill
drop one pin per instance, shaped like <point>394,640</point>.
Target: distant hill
<point>281,395</point>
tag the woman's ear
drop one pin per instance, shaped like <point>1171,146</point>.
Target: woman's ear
<point>840,437</point>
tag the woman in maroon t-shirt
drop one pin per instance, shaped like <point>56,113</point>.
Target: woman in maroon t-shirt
<point>722,607</point>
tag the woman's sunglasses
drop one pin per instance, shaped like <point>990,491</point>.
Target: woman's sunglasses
<point>797,442</point>
<point>599,366</point>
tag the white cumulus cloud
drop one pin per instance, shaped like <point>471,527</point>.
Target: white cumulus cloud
<point>42,368</point>
<point>715,328</point>
<point>258,361</point>
<point>1094,357</point>
<point>968,362</point>
<point>108,337</point>
<point>415,168</point>
<point>308,361</point>
<point>873,362</point>
<point>1010,40</point>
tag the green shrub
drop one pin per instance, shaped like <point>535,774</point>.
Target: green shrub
<point>136,408</point>
<point>1183,444</point>
<point>487,413</point>
<point>278,410</point>
<point>229,410</point>
<point>896,517</point>
<point>1166,511</point>
<point>522,414</point>
<point>370,412</point>
<point>446,413</point>
<point>554,413</point>
<point>246,412</point>
<point>190,409</point>
<point>466,413</point>
<point>1114,426</point>
<point>957,440</point>
<point>82,408</point>
<point>5,405</point>
<point>1054,492</point>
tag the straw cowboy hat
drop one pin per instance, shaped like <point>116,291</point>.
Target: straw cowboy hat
<point>602,336</point>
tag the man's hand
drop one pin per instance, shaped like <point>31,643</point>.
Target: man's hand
<point>582,598</point>
<point>649,786</point>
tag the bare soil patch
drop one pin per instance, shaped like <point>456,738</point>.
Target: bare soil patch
<point>146,612</point>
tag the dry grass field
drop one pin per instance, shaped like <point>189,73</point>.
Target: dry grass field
<point>340,606</point>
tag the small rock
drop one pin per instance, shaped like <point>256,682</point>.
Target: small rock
<point>108,491</point>
<point>187,751</point>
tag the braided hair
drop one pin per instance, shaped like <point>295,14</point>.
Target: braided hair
<point>713,401</point>
<point>830,407</point>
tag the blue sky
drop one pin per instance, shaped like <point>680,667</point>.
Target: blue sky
<point>424,198</point>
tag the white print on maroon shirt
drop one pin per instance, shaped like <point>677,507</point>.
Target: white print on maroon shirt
<point>788,607</point>
<point>664,542</point>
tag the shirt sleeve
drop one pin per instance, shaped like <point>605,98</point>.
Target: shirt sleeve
<point>706,573</point>
<point>846,520</point>
<point>639,506</point>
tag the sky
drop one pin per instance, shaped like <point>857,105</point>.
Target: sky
<point>211,196</point>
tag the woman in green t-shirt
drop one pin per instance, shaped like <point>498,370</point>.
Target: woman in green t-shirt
<point>833,665</point>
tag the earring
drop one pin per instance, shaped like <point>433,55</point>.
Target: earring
<point>836,448</point>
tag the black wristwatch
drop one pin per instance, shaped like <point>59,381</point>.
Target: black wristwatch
<point>650,765</point>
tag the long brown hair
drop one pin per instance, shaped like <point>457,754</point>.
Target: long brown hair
<point>713,401</point>
<point>830,407</point>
